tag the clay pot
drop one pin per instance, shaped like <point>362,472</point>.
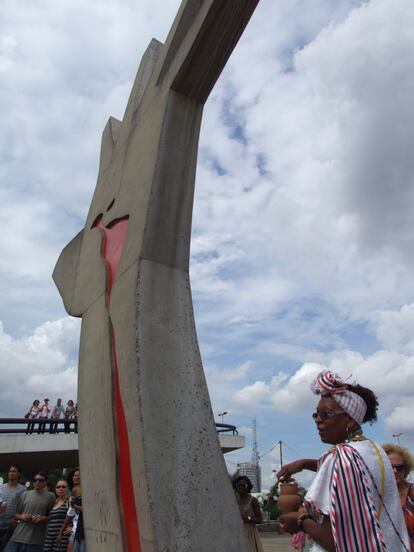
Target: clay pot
<point>289,500</point>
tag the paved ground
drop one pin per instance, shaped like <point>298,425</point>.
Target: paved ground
<point>272,542</point>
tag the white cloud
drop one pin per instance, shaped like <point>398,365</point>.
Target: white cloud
<point>389,374</point>
<point>302,236</point>
<point>38,365</point>
<point>252,395</point>
<point>401,421</point>
<point>247,431</point>
<point>395,328</point>
<point>317,213</point>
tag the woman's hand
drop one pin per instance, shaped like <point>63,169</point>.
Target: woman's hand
<point>297,466</point>
<point>289,522</point>
<point>289,469</point>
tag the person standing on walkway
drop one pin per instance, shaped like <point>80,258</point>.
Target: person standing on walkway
<point>45,410</point>
<point>32,413</point>
<point>70,413</point>
<point>32,513</point>
<point>57,413</point>
<point>249,510</point>
<point>9,495</point>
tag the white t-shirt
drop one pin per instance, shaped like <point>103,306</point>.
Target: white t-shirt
<point>75,515</point>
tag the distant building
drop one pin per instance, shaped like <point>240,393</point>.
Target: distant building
<point>253,472</point>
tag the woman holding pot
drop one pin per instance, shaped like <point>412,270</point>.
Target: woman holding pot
<point>353,503</point>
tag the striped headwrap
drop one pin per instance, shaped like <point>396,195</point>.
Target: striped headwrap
<point>328,383</point>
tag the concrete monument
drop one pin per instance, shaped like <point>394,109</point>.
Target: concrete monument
<point>153,475</point>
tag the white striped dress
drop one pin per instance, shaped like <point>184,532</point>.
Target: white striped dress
<point>347,488</point>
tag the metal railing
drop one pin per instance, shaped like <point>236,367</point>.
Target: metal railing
<point>226,428</point>
<point>59,425</point>
<point>39,425</point>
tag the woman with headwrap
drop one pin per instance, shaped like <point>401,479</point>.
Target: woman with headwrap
<point>353,503</point>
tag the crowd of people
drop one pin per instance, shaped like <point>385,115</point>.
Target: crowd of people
<point>39,520</point>
<point>45,414</point>
<point>359,501</point>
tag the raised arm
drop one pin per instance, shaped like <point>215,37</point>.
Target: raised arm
<point>297,466</point>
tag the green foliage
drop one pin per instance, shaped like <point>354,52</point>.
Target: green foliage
<point>54,476</point>
<point>270,503</point>
<point>302,492</point>
<point>274,491</point>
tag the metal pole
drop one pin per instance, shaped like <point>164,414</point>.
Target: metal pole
<point>222,414</point>
<point>281,459</point>
<point>397,436</point>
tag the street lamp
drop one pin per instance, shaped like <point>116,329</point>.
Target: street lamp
<point>222,414</point>
<point>397,436</point>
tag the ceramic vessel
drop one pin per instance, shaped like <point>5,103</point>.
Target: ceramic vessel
<point>289,500</point>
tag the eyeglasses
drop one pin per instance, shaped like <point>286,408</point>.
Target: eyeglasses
<point>39,480</point>
<point>61,486</point>
<point>325,414</point>
<point>398,467</point>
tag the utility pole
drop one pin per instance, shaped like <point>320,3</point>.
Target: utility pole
<point>281,458</point>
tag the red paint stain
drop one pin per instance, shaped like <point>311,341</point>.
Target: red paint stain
<point>113,237</point>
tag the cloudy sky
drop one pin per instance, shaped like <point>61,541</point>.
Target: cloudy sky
<point>302,248</point>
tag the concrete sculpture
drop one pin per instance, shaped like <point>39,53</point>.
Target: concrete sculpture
<point>153,475</point>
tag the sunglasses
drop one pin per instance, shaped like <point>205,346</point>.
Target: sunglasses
<point>398,467</point>
<point>325,415</point>
<point>39,480</point>
<point>61,486</point>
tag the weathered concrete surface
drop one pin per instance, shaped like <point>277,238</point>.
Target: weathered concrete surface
<point>181,489</point>
<point>228,443</point>
<point>44,451</point>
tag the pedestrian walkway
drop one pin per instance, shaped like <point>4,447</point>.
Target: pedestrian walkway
<point>272,542</point>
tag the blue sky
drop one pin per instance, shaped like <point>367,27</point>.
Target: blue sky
<point>302,247</point>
